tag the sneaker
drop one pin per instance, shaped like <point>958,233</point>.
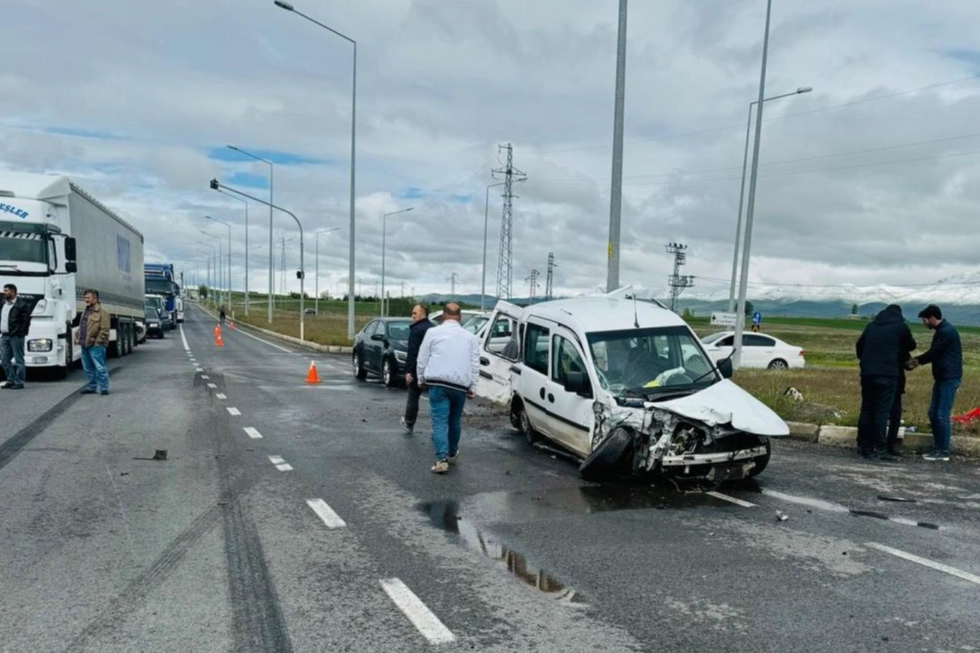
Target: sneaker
<point>887,457</point>
<point>453,457</point>
<point>936,456</point>
<point>87,391</point>
<point>104,393</point>
<point>5,385</point>
<point>409,428</point>
<point>441,467</point>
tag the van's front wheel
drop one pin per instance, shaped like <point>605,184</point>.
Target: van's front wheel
<point>519,418</point>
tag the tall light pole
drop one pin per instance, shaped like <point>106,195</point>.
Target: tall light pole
<point>741,193</point>
<point>616,193</point>
<point>384,231</point>
<point>247,248</point>
<point>750,210</point>
<point>353,147</point>
<point>229,255</point>
<point>317,284</point>
<point>270,203</point>
<point>216,185</point>
<point>217,263</point>
<point>486,218</point>
<point>211,253</point>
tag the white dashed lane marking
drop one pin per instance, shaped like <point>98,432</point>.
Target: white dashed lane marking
<point>252,432</point>
<point>234,411</point>
<point>725,497</point>
<point>213,386</point>
<point>280,464</point>
<point>417,612</point>
<point>221,396</point>
<point>205,377</point>
<point>938,566</point>
<point>326,513</point>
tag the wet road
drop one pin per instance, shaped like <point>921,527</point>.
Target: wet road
<point>290,517</point>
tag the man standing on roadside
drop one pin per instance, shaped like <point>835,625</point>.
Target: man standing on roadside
<point>881,349</point>
<point>94,337</point>
<point>420,324</point>
<point>946,356</point>
<point>449,364</point>
<point>15,322</point>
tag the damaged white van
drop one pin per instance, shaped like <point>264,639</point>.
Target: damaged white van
<point>625,386</point>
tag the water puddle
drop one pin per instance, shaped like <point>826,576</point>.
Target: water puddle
<point>446,516</point>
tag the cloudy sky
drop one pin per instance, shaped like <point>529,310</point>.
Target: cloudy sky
<point>869,179</point>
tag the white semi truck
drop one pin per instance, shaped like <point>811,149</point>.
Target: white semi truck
<point>57,241</point>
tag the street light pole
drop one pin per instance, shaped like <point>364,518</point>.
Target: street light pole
<point>741,193</point>
<point>216,185</point>
<point>317,289</point>
<point>384,231</point>
<point>486,218</point>
<point>217,263</point>
<point>245,202</point>
<point>211,285</point>
<point>229,255</point>
<point>616,193</point>
<point>750,210</point>
<point>270,204</point>
<point>353,147</point>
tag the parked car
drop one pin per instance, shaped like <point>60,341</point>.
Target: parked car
<point>154,322</point>
<point>614,382</point>
<point>758,350</point>
<point>381,348</point>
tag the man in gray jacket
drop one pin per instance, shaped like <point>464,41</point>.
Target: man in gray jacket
<point>449,365</point>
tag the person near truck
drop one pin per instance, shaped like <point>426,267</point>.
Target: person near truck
<point>449,365</point>
<point>15,322</point>
<point>420,324</point>
<point>883,346</point>
<point>946,356</point>
<point>93,334</point>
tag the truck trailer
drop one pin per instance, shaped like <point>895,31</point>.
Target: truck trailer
<point>56,242</point>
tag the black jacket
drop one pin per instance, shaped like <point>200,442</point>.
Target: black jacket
<point>415,337</point>
<point>20,316</point>
<point>885,344</point>
<point>945,353</point>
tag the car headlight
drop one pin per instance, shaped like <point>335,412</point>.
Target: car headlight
<point>41,344</point>
<point>401,355</point>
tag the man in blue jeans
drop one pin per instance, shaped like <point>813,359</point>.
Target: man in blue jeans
<point>94,330</point>
<point>449,365</point>
<point>946,356</point>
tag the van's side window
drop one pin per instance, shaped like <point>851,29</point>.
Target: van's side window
<point>536,348</point>
<point>566,359</point>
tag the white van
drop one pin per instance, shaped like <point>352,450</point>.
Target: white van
<point>626,386</point>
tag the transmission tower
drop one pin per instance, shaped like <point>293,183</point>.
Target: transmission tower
<point>452,284</point>
<point>676,281</point>
<point>505,270</point>
<point>549,285</point>
<point>533,279</point>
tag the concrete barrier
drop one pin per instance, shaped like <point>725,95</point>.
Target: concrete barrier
<point>803,431</point>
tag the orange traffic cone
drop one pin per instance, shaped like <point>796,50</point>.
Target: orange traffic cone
<point>312,376</point>
<point>218,341</point>
<point>217,330</point>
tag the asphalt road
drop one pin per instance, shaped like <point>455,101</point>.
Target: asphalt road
<point>291,517</point>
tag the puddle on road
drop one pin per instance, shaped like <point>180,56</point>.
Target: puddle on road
<point>446,516</point>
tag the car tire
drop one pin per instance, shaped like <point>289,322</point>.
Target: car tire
<point>389,375</point>
<point>778,364</point>
<point>762,461</point>
<point>522,422</point>
<point>358,365</point>
<point>611,458</point>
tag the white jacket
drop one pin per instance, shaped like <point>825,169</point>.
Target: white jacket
<point>449,357</point>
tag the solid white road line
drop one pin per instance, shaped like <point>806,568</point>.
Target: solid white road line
<point>820,504</point>
<point>938,566</point>
<point>221,396</point>
<point>421,617</point>
<point>725,497</point>
<point>184,338</point>
<point>252,433</point>
<point>213,386</point>
<point>326,513</point>
<point>234,411</point>
<point>271,344</point>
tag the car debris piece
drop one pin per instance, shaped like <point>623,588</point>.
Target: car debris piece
<point>884,497</point>
<point>161,454</point>
<point>781,516</point>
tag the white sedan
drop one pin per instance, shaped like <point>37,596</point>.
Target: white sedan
<point>758,350</point>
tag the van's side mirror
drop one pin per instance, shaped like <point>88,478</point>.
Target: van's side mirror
<point>726,368</point>
<point>578,383</point>
<point>71,267</point>
<point>70,253</point>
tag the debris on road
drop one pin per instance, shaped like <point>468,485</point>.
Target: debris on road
<point>884,497</point>
<point>781,516</point>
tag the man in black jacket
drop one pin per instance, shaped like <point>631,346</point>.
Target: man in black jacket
<point>882,348</point>
<point>946,356</point>
<point>15,322</point>
<point>420,324</point>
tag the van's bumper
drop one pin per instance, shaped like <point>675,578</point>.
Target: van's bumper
<point>716,458</point>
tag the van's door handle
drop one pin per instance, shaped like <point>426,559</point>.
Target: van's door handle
<point>542,393</point>
<point>551,397</point>
<point>484,361</point>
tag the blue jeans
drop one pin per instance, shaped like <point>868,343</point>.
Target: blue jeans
<point>93,361</point>
<point>12,356</point>
<point>940,409</point>
<point>446,406</point>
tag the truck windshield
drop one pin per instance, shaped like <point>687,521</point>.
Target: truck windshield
<point>159,286</point>
<point>20,245</point>
<point>647,361</point>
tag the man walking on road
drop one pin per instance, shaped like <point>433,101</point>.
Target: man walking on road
<point>881,349</point>
<point>420,324</point>
<point>449,364</point>
<point>15,322</point>
<point>94,337</point>
<point>946,356</point>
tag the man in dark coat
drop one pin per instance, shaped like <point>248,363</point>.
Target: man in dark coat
<point>946,356</point>
<point>420,324</point>
<point>15,323</point>
<point>881,350</point>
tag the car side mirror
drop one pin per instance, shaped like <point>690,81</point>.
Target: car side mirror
<point>578,383</point>
<point>378,336</point>
<point>726,368</point>
<point>71,267</point>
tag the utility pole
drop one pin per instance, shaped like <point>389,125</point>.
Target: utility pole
<point>616,193</point>
<point>676,281</point>
<point>505,269</point>
<point>452,281</point>
<point>533,279</point>
<point>549,287</point>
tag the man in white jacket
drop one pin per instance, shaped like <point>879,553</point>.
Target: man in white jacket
<point>449,365</point>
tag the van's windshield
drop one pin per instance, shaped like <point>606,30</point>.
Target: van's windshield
<point>642,362</point>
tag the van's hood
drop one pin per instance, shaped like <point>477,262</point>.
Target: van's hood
<point>726,403</point>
